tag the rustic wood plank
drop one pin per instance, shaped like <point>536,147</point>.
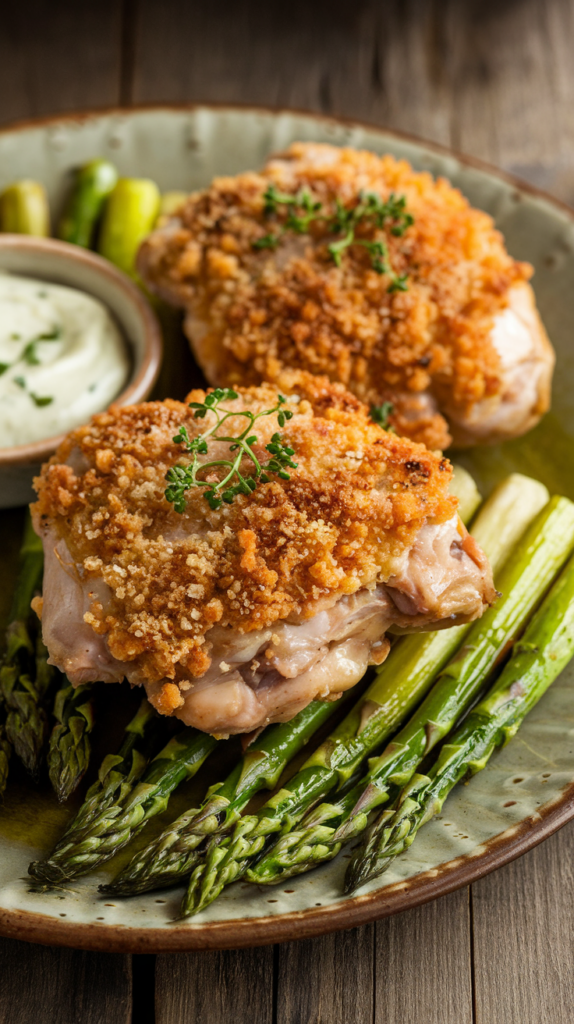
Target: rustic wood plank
<point>423,965</point>
<point>490,77</point>
<point>327,980</point>
<point>62,986</point>
<point>509,72</point>
<point>523,937</point>
<point>58,57</point>
<point>208,988</point>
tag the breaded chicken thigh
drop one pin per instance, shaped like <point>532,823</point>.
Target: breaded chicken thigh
<point>237,616</point>
<point>462,353</point>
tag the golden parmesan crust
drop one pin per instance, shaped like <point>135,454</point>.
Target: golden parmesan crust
<point>296,308</point>
<point>340,523</point>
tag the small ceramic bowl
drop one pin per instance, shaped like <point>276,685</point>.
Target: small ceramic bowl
<point>60,263</point>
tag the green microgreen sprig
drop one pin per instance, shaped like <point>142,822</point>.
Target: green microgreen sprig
<point>303,210</point>
<point>380,414</point>
<point>233,481</point>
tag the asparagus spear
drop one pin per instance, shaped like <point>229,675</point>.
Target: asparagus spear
<point>117,775</point>
<point>400,684</point>
<point>464,488</point>
<point>70,747</point>
<point>93,184</point>
<point>25,675</point>
<point>24,209</point>
<point>112,826</point>
<point>172,855</point>
<point>525,578</point>
<point>130,214</point>
<point>544,650</point>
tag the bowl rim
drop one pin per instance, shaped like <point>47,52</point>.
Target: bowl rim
<point>349,913</point>
<point>139,383</point>
<point>91,113</point>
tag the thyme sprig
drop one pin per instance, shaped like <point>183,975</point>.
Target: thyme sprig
<point>380,414</point>
<point>303,210</point>
<point>233,481</point>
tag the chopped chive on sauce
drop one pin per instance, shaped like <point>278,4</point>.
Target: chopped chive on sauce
<point>30,354</point>
<point>38,400</point>
<point>41,400</point>
<point>52,335</point>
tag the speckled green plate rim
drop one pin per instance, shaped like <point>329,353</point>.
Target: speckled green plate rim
<point>81,116</point>
<point>394,898</point>
<point>357,910</point>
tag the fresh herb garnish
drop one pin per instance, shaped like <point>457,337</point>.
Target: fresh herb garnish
<point>52,335</point>
<point>369,209</point>
<point>380,414</point>
<point>232,482</point>
<point>30,354</point>
<point>267,242</point>
<point>39,400</point>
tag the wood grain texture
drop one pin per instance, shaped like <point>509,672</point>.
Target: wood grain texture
<point>210,988</point>
<point>327,980</point>
<point>423,965</point>
<point>523,937</point>
<point>490,77</point>
<point>58,56</point>
<point>39,985</point>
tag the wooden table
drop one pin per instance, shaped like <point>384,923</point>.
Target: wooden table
<point>490,77</point>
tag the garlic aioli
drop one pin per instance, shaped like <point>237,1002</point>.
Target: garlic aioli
<point>62,358</point>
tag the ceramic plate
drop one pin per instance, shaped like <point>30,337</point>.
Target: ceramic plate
<point>527,790</point>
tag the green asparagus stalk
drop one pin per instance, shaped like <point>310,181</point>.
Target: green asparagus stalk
<point>539,656</point>
<point>172,855</point>
<point>70,747</point>
<point>92,186</point>
<point>524,580</point>
<point>24,209</point>
<point>27,725</point>
<point>116,778</point>
<point>400,684</point>
<point>112,827</point>
<point>130,214</point>
<point>25,675</point>
<point>464,488</point>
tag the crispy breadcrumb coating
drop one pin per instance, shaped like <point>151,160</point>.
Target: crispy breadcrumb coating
<point>251,312</point>
<point>341,522</point>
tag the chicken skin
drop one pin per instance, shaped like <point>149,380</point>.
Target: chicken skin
<point>235,616</point>
<point>461,353</point>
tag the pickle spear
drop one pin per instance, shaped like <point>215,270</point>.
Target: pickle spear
<point>130,214</point>
<point>24,209</point>
<point>93,184</point>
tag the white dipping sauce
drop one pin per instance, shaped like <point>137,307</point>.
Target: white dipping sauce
<point>62,359</point>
